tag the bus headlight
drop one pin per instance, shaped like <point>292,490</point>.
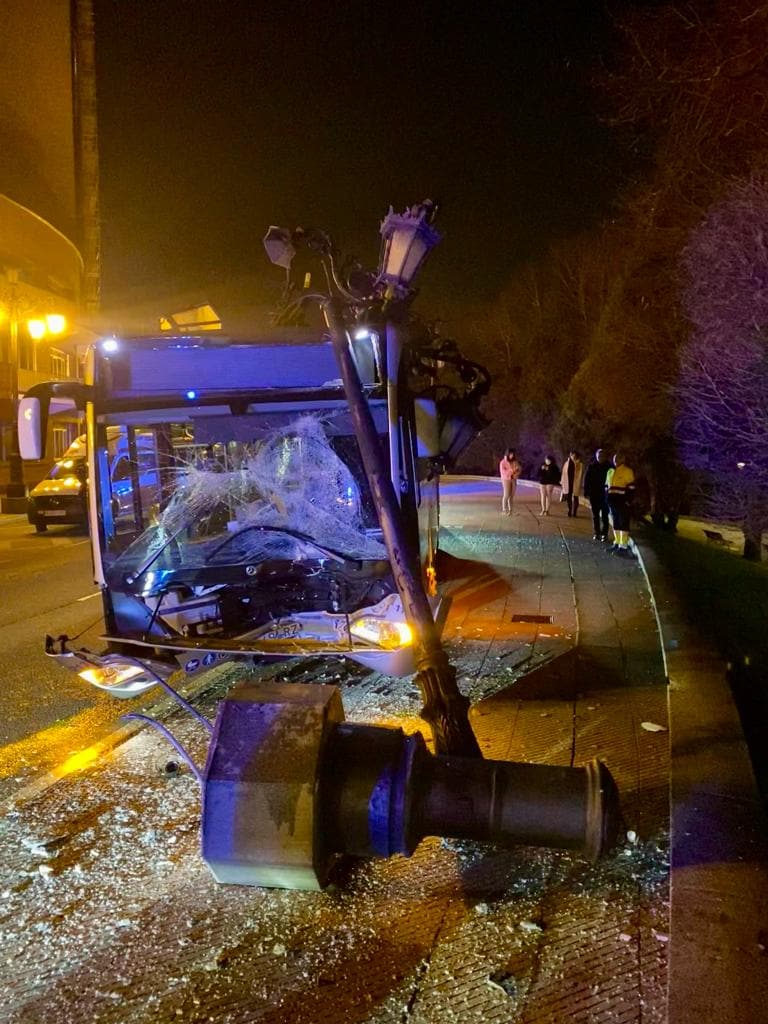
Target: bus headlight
<point>120,678</point>
<point>382,632</point>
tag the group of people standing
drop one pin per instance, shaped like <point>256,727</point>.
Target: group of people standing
<point>606,484</point>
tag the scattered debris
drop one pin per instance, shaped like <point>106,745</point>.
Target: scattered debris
<point>44,847</point>
<point>653,727</point>
<point>506,983</point>
<point>531,926</point>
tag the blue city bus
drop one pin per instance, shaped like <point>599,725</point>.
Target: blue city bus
<point>240,524</point>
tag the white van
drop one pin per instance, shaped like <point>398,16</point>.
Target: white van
<point>61,498</point>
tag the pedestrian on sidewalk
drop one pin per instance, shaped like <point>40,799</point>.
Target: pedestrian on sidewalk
<point>619,485</point>
<point>570,481</point>
<point>595,493</point>
<point>549,475</point>
<point>509,471</point>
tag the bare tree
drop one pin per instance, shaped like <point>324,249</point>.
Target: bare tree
<point>722,390</point>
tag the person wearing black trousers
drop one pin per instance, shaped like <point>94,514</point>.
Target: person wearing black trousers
<point>549,475</point>
<point>595,493</point>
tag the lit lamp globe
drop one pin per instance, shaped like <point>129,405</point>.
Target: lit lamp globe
<point>36,329</point>
<point>406,240</point>
<point>55,323</point>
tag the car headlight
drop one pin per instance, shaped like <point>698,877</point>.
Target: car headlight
<point>382,632</point>
<point>123,679</point>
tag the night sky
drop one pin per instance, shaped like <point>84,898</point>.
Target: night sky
<point>220,118</point>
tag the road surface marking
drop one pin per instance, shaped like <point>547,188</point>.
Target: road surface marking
<point>88,597</point>
<point>74,763</point>
<point>78,760</point>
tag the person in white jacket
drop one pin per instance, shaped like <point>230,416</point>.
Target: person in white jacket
<point>570,481</point>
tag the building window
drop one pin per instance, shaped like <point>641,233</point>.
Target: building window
<point>61,441</point>
<point>27,352</point>
<point>59,364</point>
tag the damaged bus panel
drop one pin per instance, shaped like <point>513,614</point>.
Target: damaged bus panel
<point>241,524</point>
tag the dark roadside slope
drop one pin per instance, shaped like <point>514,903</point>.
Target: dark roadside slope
<point>727,598</point>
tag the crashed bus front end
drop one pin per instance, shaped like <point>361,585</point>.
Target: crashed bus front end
<point>240,525</point>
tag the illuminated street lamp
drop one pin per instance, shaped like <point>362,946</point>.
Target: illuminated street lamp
<point>36,329</point>
<point>406,241</point>
<point>54,324</point>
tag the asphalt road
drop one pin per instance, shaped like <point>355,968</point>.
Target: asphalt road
<point>46,586</point>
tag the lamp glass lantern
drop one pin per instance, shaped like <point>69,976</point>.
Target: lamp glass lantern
<point>55,323</point>
<point>406,241</point>
<point>36,329</point>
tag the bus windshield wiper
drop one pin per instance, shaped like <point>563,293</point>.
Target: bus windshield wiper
<point>132,577</point>
<point>336,556</point>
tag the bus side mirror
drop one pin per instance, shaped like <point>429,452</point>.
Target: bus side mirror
<point>32,423</point>
<point>52,397</point>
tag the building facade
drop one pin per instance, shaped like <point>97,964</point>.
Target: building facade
<point>49,226</point>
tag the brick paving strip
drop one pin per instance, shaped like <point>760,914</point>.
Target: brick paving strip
<point>719,848</point>
<point>116,919</point>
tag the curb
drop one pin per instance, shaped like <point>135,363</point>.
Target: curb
<point>719,852</point>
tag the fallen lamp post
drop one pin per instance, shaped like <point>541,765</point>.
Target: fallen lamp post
<point>289,788</point>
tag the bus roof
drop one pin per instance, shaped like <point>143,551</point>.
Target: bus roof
<point>177,365</point>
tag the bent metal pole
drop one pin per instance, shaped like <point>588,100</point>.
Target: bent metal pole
<point>445,708</point>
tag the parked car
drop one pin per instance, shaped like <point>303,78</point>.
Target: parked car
<point>61,498</point>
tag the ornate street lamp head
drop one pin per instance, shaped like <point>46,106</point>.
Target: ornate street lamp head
<point>406,241</point>
<point>279,246</point>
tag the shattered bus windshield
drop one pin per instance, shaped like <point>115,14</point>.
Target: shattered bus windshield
<point>221,491</point>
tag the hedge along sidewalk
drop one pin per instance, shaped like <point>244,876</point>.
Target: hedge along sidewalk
<point>719,853</point>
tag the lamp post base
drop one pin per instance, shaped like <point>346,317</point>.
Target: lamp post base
<point>282,753</point>
<point>15,500</point>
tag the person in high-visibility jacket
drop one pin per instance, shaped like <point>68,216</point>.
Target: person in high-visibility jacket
<point>619,484</point>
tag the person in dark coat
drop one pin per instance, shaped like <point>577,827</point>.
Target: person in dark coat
<point>549,475</point>
<point>595,493</point>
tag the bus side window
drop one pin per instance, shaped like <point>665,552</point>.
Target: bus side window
<point>121,469</point>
